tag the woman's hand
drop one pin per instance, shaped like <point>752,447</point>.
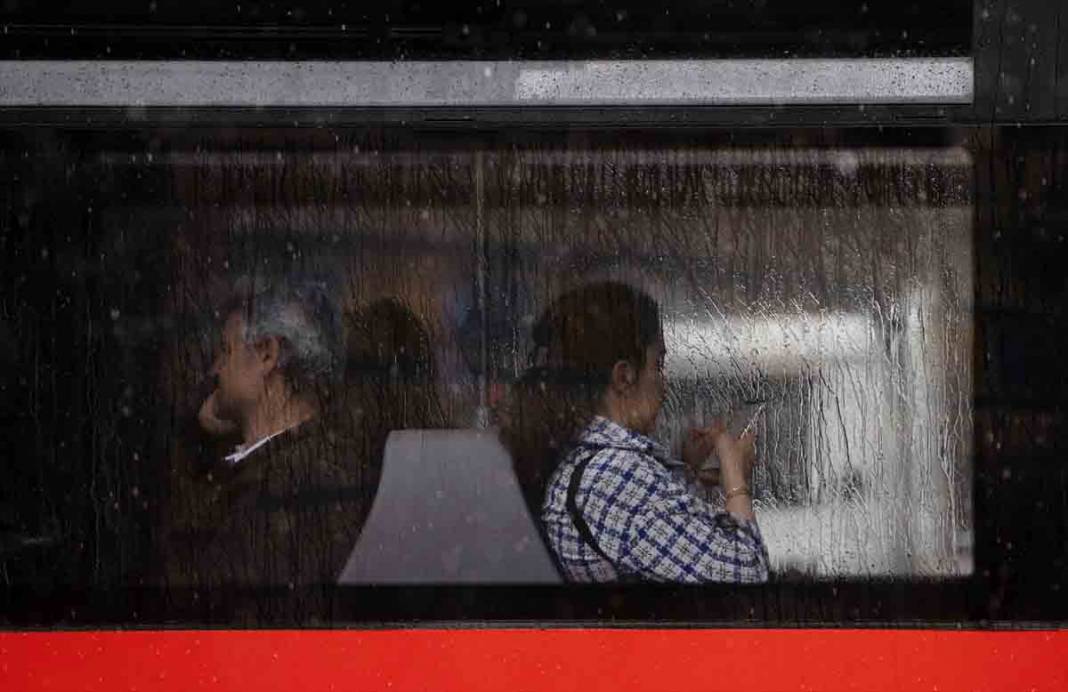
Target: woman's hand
<point>209,420</point>
<point>736,459</point>
<point>737,456</point>
<point>699,445</point>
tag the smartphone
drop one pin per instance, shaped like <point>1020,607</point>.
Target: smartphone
<point>757,407</point>
<point>753,419</point>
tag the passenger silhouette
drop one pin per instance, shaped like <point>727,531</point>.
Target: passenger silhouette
<point>578,426</point>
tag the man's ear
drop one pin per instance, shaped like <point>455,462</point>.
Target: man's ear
<point>623,376</point>
<point>268,353</point>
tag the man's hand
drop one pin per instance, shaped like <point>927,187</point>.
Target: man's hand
<point>209,420</point>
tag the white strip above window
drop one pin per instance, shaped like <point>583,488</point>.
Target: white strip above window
<point>475,83</point>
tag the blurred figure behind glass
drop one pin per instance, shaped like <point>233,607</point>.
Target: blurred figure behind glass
<point>612,502</point>
<point>389,383</point>
<point>283,508</point>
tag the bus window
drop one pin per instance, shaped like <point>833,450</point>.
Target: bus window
<point>211,341</point>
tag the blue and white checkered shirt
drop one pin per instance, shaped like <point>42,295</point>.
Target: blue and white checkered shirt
<point>643,518</point>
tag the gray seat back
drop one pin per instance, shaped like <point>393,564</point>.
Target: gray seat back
<point>448,511</point>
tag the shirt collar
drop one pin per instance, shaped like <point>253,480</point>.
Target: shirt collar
<point>242,451</point>
<point>602,432</point>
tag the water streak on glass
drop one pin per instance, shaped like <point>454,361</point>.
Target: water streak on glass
<point>833,286</point>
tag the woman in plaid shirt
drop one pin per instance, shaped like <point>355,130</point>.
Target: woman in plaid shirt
<point>578,428</point>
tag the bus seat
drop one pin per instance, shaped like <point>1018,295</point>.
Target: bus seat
<point>448,510</point>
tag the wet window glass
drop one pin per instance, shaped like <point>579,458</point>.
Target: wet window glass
<point>366,374</point>
<point>821,295</point>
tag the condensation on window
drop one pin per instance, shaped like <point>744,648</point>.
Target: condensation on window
<point>827,291</point>
<point>822,296</point>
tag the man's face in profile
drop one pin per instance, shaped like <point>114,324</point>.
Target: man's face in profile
<point>238,371</point>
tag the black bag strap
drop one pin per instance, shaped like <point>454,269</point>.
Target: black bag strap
<point>573,509</point>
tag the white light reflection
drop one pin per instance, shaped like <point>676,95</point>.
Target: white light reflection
<point>781,343</point>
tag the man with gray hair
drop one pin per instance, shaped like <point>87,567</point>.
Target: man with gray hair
<point>279,358</point>
<point>283,509</point>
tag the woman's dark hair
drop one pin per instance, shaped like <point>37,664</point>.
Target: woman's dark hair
<point>577,342</point>
<point>389,381</point>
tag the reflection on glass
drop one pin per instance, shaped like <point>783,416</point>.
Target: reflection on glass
<point>831,285</point>
<point>834,286</point>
